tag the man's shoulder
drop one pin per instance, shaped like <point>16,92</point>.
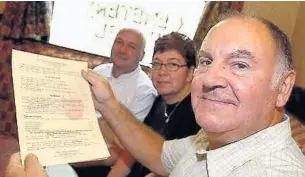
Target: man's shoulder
<point>262,170</point>
<point>143,77</point>
<point>285,162</point>
<point>144,82</point>
<point>103,68</point>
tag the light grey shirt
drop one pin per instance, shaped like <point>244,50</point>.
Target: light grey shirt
<point>135,89</point>
<point>270,152</point>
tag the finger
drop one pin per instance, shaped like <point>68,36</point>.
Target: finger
<point>15,160</point>
<point>92,77</point>
<point>14,167</point>
<point>90,73</point>
<point>97,76</point>
<point>33,167</point>
<point>84,74</point>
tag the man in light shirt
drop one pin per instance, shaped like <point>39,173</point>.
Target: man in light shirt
<point>239,91</point>
<point>131,86</point>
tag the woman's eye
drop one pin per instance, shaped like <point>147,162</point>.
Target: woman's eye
<point>172,64</point>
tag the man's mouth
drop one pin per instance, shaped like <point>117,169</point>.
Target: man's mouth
<point>121,56</point>
<point>219,101</point>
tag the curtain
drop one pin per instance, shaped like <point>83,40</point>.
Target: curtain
<point>30,19</point>
<point>211,13</point>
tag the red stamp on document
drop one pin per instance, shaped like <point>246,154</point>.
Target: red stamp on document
<point>73,106</point>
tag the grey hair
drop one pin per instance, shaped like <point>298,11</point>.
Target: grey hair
<point>284,52</point>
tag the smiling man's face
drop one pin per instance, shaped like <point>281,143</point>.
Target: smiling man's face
<point>231,89</point>
<point>128,49</point>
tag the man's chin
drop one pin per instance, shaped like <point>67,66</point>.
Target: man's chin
<point>119,63</point>
<point>210,123</point>
<point>118,58</point>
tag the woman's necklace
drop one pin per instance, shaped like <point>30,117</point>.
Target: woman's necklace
<point>171,113</point>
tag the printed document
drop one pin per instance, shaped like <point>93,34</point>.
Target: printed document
<point>55,113</point>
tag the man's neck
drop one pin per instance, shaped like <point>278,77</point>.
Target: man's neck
<point>218,140</point>
<point>171,99</point>
<point>118,71</point>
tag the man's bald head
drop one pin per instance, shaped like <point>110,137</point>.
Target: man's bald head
<point>127,50</point>
<point>143,44</point>
<point>233,86</point>
<point>280,39</point>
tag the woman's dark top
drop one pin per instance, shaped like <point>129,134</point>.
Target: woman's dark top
<point>181,123</point>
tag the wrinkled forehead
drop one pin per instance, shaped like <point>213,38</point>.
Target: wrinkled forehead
<point>239,34</point>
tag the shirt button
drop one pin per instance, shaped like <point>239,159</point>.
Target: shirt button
<point>201,154</point>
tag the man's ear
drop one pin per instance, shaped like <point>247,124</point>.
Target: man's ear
<point>142,56</point>
<point>285,88</point>
<point>190,74</point>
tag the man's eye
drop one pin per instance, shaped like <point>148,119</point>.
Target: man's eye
<point>132,46</point>
<point>240,65</point>
<point>118,42</point>
<point>205,62</point>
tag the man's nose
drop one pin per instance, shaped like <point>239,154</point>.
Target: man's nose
<point>123,48</point>
<point>215,77</point>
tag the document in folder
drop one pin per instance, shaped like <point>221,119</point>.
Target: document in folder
<point>55,113</point>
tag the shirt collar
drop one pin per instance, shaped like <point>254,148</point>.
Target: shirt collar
<point>126,75</point>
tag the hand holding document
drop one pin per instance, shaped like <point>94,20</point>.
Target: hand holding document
<point>55,113</point>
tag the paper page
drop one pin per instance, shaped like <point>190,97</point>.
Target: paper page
<point>55,113</point>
